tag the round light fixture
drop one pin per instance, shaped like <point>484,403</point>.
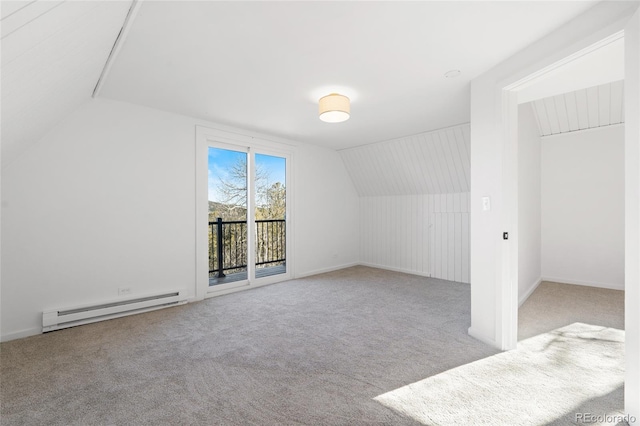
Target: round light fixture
<point>452,74</point>
<point>334,108</point>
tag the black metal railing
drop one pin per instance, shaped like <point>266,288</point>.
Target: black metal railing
<point>230,256</point>
<point>270,242</point>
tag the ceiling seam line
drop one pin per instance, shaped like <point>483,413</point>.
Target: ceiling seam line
<point>117,45</point>
<point>584,130</point>
<point>407,136</point>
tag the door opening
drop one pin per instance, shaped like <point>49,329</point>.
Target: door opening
<point>245,205</point>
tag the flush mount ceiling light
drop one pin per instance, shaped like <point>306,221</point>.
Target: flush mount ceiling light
<point>334,108</point>
<point>452,74</point>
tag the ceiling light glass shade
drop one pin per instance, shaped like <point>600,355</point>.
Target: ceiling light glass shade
<point>334,108</point>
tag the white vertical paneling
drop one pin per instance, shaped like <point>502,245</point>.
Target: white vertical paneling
<point>465,257</point>
<point>552,114</point>
<point>424,234</point>
<point>437,244</point>
<point>432,244</point>
<point>458,247</point>
<point>430,163</point>
<point>604,105</point>
<point>438,163</point>
<point>572,111</point>
<point>463,154</point>
<point>451,246</point>
<point>563,115</point>
<point>541,112</point>
<point>414,202</point>
<point>583,110</point>
<point>592,106</point>
<point>449,154</point>
<point>617,99</point>
<point>428,169</point>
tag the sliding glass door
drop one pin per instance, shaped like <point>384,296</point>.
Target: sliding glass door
<point>247,216</point>
<point>228,214</point>
<point>270,215</point>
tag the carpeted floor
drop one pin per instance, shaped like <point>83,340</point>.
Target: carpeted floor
<point>315,351</point>
<point>551,379</point>
<point>553,305</point>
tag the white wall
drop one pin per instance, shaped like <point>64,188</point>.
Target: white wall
<point>106,200</point>
<point>632,217</point>
<point>414,202</point>
<point>583,207</point>
<point>493,300</point>
<point>419,234</point>
<point>326,212</point>
<point>529,216</point>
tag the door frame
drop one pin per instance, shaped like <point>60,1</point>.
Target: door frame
<point>504,132</point>
<point>206,137</point>
<point>508,300</point>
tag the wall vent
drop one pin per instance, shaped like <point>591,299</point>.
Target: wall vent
<point>70,317</point>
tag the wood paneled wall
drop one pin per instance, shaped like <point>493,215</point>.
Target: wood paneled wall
<point>424,234</point>
<point>589,108</point>
<point>414,202</point>
<point>429,163</point>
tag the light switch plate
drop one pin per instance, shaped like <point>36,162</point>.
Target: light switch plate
<point>486,204</point>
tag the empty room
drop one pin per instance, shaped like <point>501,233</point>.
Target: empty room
<point>320,213</point>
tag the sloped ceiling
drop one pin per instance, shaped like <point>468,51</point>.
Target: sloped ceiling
<point>599,64</point>
<point>428,163</point>
<point>582,109</point>
<point>53,53</point>
<point>263,65</point>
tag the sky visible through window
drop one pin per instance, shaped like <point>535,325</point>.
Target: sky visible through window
<point>221,161</point>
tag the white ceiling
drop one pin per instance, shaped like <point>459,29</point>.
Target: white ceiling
<point>429,163</point>
<point>592,68</point>
<point>263,65</point>
<point>52,55</point>
<point>596,106</point>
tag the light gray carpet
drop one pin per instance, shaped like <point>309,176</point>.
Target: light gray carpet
<point>546,381</point>
<point>314,351</point>
<point>554,305</point>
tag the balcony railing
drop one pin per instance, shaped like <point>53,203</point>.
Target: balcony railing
<point>230,256</point>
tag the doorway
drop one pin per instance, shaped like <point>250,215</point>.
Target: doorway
<point>494,255</point>
<point>245,203</point>
<point>571,205</point>
<point>229,205</point>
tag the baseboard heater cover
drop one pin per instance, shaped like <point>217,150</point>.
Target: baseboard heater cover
<point>70,317</point>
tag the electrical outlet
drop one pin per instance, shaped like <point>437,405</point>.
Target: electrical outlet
<point>124,291</point>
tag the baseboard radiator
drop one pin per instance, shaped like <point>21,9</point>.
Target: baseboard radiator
<point>70,317</point>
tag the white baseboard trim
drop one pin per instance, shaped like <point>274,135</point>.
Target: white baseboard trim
<point>483,339</point>
<point>391,268</point>
<point>584,283</point>
<point>325,270</point>
<point>529,292</point>
<point>21,334</point>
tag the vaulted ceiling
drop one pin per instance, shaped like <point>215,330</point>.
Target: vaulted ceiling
<point>263,65</point>
<point>53,53</point>
<point>435,162</point>
<point>588,108</point>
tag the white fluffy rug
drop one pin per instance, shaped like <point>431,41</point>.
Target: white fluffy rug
<point>549,379</point>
